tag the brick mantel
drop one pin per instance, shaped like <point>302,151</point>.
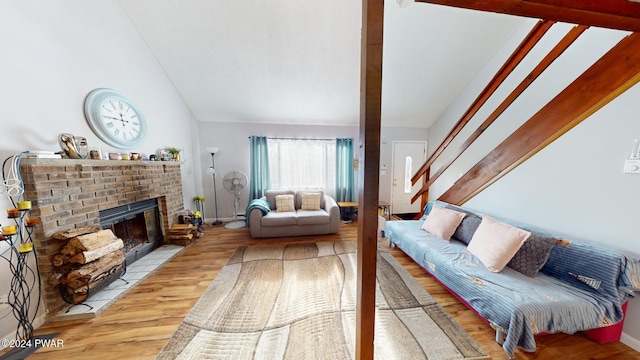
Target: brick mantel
<point>69,193</point>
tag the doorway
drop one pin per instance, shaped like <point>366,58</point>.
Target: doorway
<point>408,157</point>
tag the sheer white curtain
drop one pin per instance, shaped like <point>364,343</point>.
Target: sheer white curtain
<point>303,164</point>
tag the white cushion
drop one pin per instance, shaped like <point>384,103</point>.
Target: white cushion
<point>442,222</point>
<point>274,218</point>
<point>311,201</point>
<point>270,195</point>
<point>495,243</point>
<point>312,217</point>
<point>284,203</point>
<point>298,199</point>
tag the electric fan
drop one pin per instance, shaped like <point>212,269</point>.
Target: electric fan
<point>234,182</point>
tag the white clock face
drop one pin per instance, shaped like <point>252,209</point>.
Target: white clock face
<point>120,120</point>
<point>115,119</point>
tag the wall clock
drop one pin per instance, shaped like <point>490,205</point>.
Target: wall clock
<point>115,119</point>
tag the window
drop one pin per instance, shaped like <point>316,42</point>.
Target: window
<point>408,164</point>
<point>302,164</point>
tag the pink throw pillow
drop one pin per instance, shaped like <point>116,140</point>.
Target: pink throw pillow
<point>443,222</point>
<point>495,243</point>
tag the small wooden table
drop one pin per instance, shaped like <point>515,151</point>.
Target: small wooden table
<point>351,206</point>
<point>386,210</point>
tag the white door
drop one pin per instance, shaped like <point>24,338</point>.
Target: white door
<point>408,157</point>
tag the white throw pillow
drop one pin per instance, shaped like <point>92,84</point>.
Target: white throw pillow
<point>495,243</point>
<point>310,201</point>
<point>284,203</point>
<point>442,222</point>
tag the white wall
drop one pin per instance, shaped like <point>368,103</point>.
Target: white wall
<point>233,141</point>
<point>387,136</point>
<point>56,52</point>
<point>575,186</point>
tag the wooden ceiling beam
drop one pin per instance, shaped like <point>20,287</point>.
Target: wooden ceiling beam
<point>613,14</point>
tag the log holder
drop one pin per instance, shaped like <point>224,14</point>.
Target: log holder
<point>107,277</point>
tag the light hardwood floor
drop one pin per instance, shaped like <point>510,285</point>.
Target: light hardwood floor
<point>138,325</point>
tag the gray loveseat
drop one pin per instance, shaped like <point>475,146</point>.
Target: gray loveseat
<point>265,221</point>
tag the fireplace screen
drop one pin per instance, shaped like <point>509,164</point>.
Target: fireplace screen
<point>138,225</point>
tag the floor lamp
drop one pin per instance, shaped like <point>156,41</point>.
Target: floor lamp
<point>212,170</point>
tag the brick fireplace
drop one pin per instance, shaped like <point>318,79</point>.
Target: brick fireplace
<point>70,193</point>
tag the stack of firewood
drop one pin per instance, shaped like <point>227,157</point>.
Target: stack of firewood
<point>89,254</point>
<point>183,234</point>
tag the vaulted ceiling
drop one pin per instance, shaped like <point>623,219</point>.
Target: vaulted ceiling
<point>298,62</point>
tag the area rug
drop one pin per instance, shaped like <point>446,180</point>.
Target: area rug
<point>297,301</point>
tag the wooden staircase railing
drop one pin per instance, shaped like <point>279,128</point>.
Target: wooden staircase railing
<point>563,45</point>
<point>614,73</point>
<point>536,33</point>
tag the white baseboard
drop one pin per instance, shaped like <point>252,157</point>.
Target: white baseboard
<point>630,342</point>
<point>224,220</point>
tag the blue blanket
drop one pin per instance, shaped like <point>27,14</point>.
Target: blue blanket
<point>260,204</point>
<point>552,301</point>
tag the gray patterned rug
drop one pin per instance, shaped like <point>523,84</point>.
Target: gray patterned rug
<point>298,301</point>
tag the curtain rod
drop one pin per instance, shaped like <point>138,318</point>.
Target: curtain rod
<point>292,138</point>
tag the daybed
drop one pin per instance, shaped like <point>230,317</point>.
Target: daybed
<point>293,213</point>
<point>569,285</point>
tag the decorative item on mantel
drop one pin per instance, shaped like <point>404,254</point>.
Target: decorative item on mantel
<point>175,153</point>
<point>73,147</point>
<point>164,155</point>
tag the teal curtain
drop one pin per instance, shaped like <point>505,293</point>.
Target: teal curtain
<point>344,170</point>
<point>260,179</point>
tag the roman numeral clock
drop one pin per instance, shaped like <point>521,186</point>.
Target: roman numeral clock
<point>115,119</point>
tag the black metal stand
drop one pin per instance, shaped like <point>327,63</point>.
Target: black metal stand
<point>215,193</point>
<point>24,280</point>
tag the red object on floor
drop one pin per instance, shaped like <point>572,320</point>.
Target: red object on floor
<point>601,335</point>
<point>609,333</point>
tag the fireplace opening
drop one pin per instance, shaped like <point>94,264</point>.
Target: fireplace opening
<point>138,225</point>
